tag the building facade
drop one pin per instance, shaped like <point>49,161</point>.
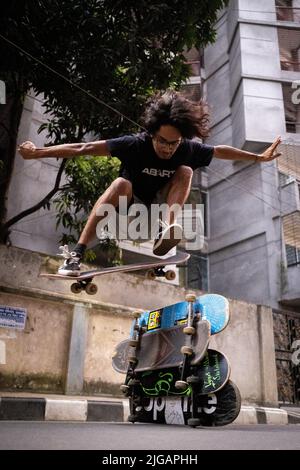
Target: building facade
<point>251,80</point>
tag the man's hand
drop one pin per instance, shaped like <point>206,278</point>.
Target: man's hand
<point>271,153</point>
<point>28,150</point>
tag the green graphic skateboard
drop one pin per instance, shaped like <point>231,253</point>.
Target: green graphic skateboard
<point>171,376</point>
<point>209,376</point>
<point>216,409</point>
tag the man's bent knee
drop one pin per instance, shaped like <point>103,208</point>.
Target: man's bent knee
<point>123,187</point>
<point>183,174</point>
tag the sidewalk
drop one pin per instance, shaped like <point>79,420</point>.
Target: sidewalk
<point>45,407</point>
<point>42,407</point>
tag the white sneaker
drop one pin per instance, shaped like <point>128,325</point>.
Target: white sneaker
<point>168,236</point>
<point>71,266</point>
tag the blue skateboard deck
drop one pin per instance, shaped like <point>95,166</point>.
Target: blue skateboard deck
<point>213,307</point>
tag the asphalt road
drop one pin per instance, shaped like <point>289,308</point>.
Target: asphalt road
<point>29,435</point>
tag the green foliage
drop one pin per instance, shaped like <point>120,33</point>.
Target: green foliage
<point>86,179</point>
<point>118,51</point>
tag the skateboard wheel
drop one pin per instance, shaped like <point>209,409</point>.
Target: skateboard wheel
<point>134,382</point>
<point>186,350</point>
<point>193,379</point>
<point>132,418</point>
<point>190,298</point>
<point>193,422</point>
<point>124,388</point>
<point>181,385</point>
<point>133,343</point>
<point>170,275</point>
<point>132,359</point>
<point>91,289</point>
<point>76,288</point>
<point>151,274</point>
<point>189,330</point>
<point>137,401</point>
<point>136,314</point>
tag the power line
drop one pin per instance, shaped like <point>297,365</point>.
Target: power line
<point>265,11</point>
<point>245,173</point>
<point>242,188</point>
<point>244,251</point>
<point>98,100</point>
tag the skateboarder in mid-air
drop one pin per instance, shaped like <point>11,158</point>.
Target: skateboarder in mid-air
<point>156,166</point>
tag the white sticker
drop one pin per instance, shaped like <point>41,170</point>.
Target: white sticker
<point>173,411</point>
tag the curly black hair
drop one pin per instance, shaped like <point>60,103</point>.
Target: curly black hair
<point>171,107</point>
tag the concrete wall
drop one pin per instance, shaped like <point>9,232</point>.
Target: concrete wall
<point>31,181</point>
<point>69,340</point>
<point>243,83</point>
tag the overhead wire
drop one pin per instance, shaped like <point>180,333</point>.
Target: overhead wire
<point>98,100</point>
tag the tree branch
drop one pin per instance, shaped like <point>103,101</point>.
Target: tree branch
<point>37,206</point>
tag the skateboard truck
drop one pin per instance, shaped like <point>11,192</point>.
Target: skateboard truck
<point>84,284</point>
<point>187,350</point>
<point>136,330</point>
<point>152,274</point>
<point>130,381</point>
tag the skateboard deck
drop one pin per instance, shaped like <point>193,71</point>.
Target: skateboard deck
<point>213,307</point>
<point>211,373</point>
<point>161,349</point>
<point>216,409</point>
<point>155,268</point>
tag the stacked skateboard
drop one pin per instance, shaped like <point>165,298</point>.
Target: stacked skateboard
<point>172,376</point>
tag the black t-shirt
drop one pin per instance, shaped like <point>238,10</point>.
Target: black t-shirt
<point>147,172</point>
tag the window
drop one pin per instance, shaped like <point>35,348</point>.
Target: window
<point>289,48</point>
<point>285,179</point>
<point>204,200</point>
<point>198,271</point>
<point>288,10</point>
<point>292,255</point>
<point>292,111</point>
<point>199,196</point>
<point>291,231</point>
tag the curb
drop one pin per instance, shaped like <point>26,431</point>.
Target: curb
<point>262,415</point>
<point>51,409</point>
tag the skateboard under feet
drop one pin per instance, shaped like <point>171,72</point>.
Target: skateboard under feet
<point>154,269</point>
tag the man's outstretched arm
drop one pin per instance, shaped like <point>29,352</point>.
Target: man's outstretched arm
<point>29,151</point>
<point>230,153</point>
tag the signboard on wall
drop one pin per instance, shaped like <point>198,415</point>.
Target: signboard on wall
<point>12,317</point>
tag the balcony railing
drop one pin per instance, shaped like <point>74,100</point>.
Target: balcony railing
<point>291,230</point>
<point>292,127</point>
<point>285,13</point>
<point>291,65</point>
<point>195,67</point>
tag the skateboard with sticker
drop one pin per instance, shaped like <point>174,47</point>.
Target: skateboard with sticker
<point>210,375</point>
<point>211,307</point>
<point>161,349</point>
<point>153,269</point>
<point>215,409</point>
<point>194,383</point>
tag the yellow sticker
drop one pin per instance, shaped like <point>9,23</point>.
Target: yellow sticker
<point>181,322</point>
<point>154,320</point>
